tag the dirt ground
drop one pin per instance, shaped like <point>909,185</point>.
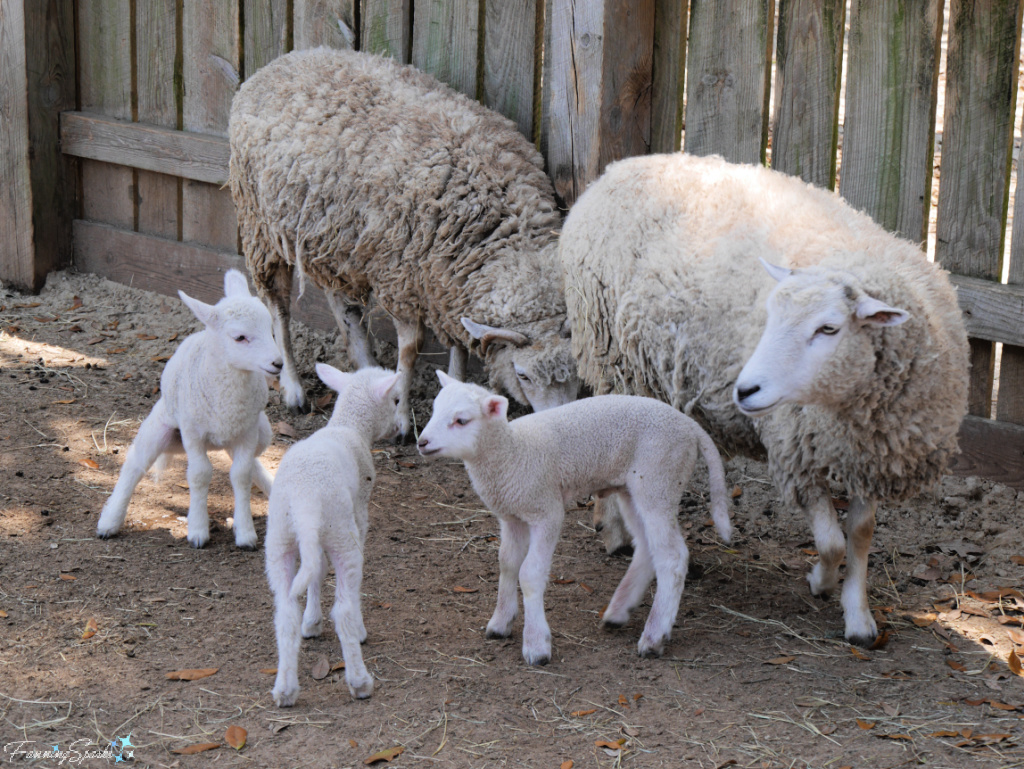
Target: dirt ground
<point>756,675</point>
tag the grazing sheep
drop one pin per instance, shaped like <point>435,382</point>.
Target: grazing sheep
<point>319,506</point>
<point>212,394</point>
<point>374,179</point>
<point>527,471</point>
<point>860,376</point>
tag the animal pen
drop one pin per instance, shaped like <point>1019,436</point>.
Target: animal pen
<point>113,118</point>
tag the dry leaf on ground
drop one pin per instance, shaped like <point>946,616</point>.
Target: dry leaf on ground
<point>460,589</point>
<point>865,725</point>
<point>269,671</point>
<point>578,713</point>
<point>90,463</point>
<point>200,748</point>
<point>285,429</point>
<point>384,755</point>
<point>235,737</point>
<point>321,668</point>
<point>1013,662</point>
<point>91,627</point>
<point>567,764</point>
<point>191,674</point>
<point>780,660</point>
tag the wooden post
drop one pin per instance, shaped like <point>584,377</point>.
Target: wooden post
<point>669,75</point>
<point>267,32</point>
<point>977,139</point>
<point>889,132</point>
<point>445,41</point>
<point>509,43</point>
<point>325,22</point>
<point>728,77</point>
<point>387,28</point>
<point>597,88</point>
<point>1010,405</point>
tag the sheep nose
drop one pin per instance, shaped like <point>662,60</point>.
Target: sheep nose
<point>422,443</point>
<point>745,392</point>
<point>278,364</point>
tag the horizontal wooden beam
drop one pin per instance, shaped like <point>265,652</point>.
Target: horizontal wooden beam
<point>991,449</point>
<point>189,155</point>
<point>992,311</point>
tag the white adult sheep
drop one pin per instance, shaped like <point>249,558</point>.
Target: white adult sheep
<point>319,506</point>
<point>212,394</point>
<point>374,179</point>
<point>860,376</point>
<point>527,471</point>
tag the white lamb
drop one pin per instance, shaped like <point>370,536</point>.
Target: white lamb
<point>527,472</point>
<point>860,375</point>
<point>319,506</point>
<point>212,394</point>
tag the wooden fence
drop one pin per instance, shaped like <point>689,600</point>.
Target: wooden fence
<point>113,115</point>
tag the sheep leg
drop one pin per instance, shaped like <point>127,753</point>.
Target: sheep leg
<point>608,522</point>
<point>155,437</point>
<point>631,589</point>
<point>278,297</point>
<point>264,435</point>
<point>199,473</point>
<point>348,621</point>
<point>515,541</point>
<point>287,615</point>
<point>860,526</point>
<point>352,325</point>
<point>533,579</point>
<point>458,361</point>
<point>671,559</point>
<point>828,538</point>
<point>243,460</point>
<point>312,617</point>
<point>410,339</point>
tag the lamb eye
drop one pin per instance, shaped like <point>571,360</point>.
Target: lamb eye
<point>828,330</point>
<point>396,401</point>
<point>241,338</point>
<point>461,421</point>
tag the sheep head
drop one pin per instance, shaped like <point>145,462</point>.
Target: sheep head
<point>461,411</point>
<point>369,395</point>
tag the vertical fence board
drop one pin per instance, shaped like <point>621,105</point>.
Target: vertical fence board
<point>445,41</point>
<point>325,22</point>
<point>105,86</point>
<point>727,80</point>
<point>509,44</point>
<point>156,33</point>
<point>981,78</point>
<point>387,28</point>
<point>267,27</point>
<point>889,131</point>
<point>1010,405</point>
<point>808,73</point>
<point>211,47</point>
<point>668,77</point>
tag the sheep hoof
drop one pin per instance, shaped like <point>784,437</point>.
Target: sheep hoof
<point>609,624</point>
<point>285,699</point>
<point>651,650</point>
<point>498,634</point>
<point>622,551</point>
<point>537,661</point>
<point>198,542</point>
<point>864,641</point>
<point>313,630</point>
<point>361,690</point>
<point>246,545</point>
<point>302,408</point>
<point>404,440</point>
<point>105,534</point>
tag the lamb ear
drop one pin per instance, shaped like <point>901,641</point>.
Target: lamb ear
<point>206,313</point>
<point>877,313</point>
<point>495,406</point>
<point>332,377</point>
<point>235,284</point>
<point>779,273</point>
<point>445,379</point>
<point>383,386</point>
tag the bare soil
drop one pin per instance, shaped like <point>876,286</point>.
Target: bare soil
<point>757,673</point>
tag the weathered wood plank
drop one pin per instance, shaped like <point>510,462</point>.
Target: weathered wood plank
<point>889,130</point>
<point>1010,404</point>
<point>727,80</point>
<point>211,75</point>
<point>991,450</point>
<point>267,31</point>
<point>981,77</point>
<point>509,42</point>
<point>445,42</point>
<point>17,243</point>
<point>807,78</point>
<point>189,155</point>
<point>158,104</point>
<point>992,310</point>
<point>325,22</point>
<point>105,86</point>
<point>387,28</point>
<point>668,77</point>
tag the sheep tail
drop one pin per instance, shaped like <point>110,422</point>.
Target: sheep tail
<point>310,556</point>
<point>716,485</point>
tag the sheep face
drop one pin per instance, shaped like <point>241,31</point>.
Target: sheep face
<point>817,347</point>
<point>371,392</point>
<point>241,325</point>
<point>460,412</point>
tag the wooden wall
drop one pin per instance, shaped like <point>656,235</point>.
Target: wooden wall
<point>114,115</point>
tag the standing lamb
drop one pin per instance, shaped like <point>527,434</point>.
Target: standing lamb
<point>212,394</point>
<point>860,375</point>
<point>374,179</point>
<point>319,505</point>
<point>527,471</point>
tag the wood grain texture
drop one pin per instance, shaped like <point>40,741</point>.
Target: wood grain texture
<point>445,41</point>
<point>267,28</point>
<point>387,28</point>
<point>188,155</point>
<point>981,77</point>
<point>104,85</point>
<point>889,130</point>
<point>158,104</point>
<point>727,79</point>
<point>807,78</point>
<point>1010,403</point>
<point>992,310</point>
<point>668,75</point>
<point>211,75</point>
<point>991,450</point>
<point>17,246</point>
<point>325,22</point>
<point>509,43</point>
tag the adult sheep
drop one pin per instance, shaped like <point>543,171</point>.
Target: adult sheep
<point>855,350</point>
<point>374,179</point>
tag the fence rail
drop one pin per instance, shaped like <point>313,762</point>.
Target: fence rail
<point>113,115</point>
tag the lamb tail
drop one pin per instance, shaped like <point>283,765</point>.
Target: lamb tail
<point>310,555</point>
<point>716,484</point>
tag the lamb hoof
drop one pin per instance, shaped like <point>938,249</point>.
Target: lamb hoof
<point>537,660</point>
<point>313,630</point>
<point>404,440</point>
<point>285,698</point>
<point>105,534</point>
<point>198,541</point>
<point>247,545</point>
<point>302,408</point>
<point>362,689</point>
<point>497,634</point>
<point>864,641</point>
<point>622,551</point>
<point>650,650</point>
<point>609,624</point>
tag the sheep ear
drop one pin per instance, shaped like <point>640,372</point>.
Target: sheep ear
<point>383,386</point>
<point>495,406</point>
<point>206,313</point>
<point>235,284</point>
<point>332,377</point>
<point>876,313</point>
<point>490,334</point>
<point>779,273</point>
<point>445,379</point>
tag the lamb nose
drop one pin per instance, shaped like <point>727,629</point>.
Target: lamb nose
<point>746,392</point>
<point>278,364</point>
<point>422,443</point>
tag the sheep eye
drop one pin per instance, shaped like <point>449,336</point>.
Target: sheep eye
<point>461,421</point>
<point>241,338</point>
<point>396,401</point>
<point>522,375</point>
<point>828,330</point>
